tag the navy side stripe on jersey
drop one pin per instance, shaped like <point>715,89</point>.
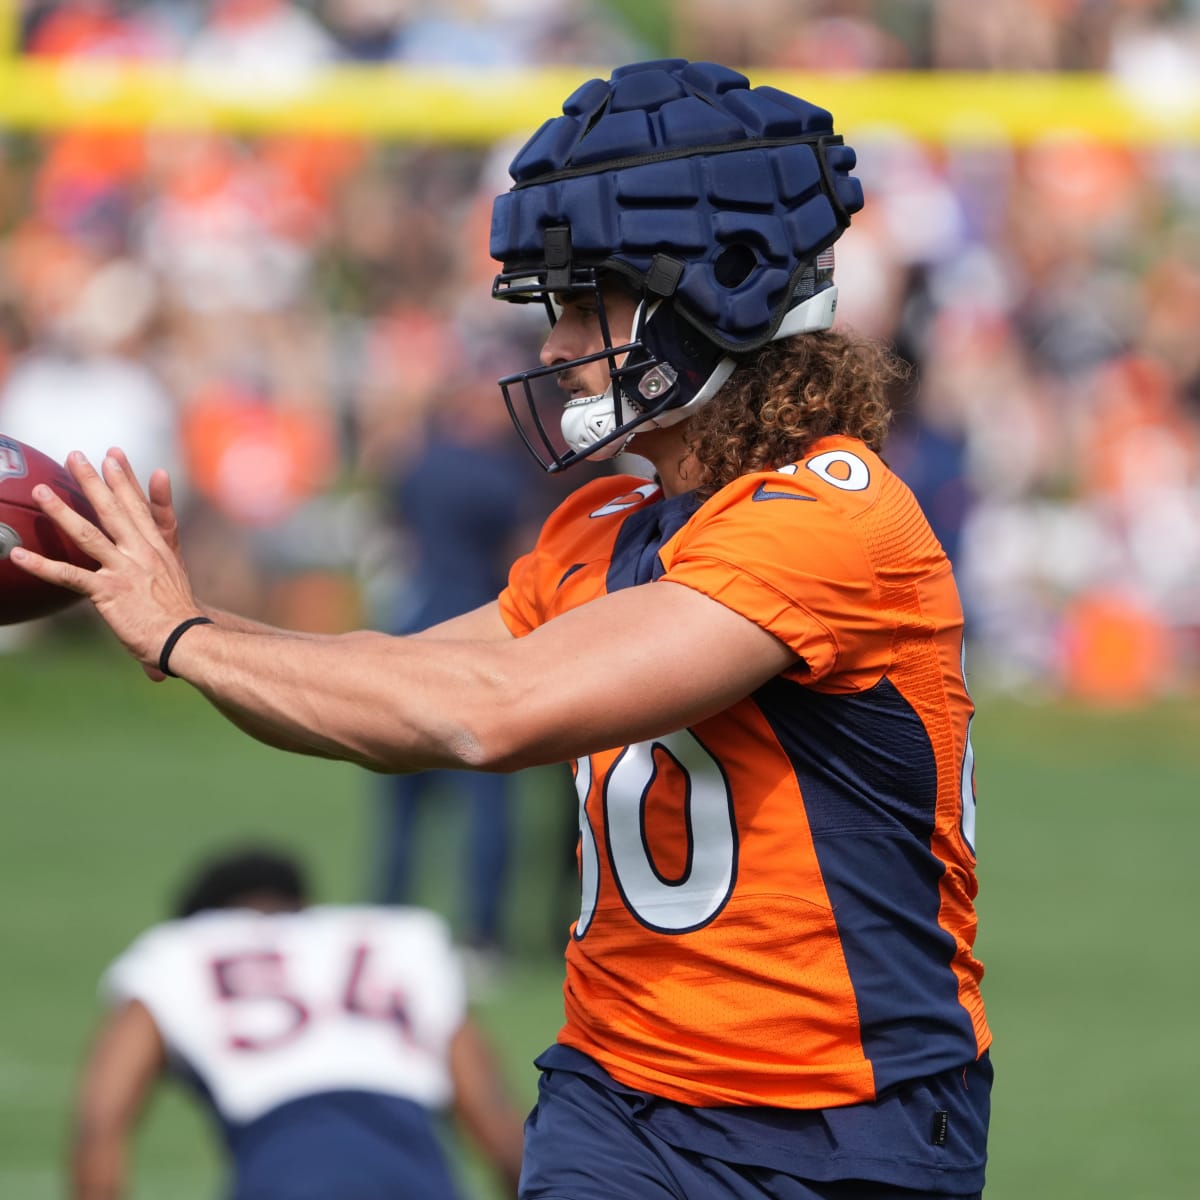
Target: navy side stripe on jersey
<point>870,807</point>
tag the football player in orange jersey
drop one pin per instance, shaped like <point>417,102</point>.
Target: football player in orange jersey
<point>754,661</point>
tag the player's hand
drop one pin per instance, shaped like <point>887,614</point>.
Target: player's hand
<point>161,503</point>
<point>141,588</point>
<point>162,508</point>
<point>157,497</point>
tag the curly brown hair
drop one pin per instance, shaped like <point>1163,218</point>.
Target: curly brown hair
<point>789,394</point>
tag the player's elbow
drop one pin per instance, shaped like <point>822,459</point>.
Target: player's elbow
<point>504,730</point>
<point>499,743</point>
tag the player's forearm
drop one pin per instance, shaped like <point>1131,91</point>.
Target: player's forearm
<point>388,704</point>
<point>499,1135</point>
<point>126,1058</point>
<point>483,1104</point>
<point>248,721</point>
<point>263,731</point>
<point>98,1165</point>
<point>234,621</point>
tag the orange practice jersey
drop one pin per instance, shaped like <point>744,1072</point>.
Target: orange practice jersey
<point>778,902</point>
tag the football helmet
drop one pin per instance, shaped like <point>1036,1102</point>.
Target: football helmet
<point>717,203</point>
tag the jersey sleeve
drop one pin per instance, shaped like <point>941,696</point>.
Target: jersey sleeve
<point>786,550</point>
<point>579,531</point>
<point>519,605</point>
<point>142,972</point>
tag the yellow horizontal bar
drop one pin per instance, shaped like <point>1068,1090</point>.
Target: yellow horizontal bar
<point>954,107</point>
<point>479,106</point>
<point>441,105</point>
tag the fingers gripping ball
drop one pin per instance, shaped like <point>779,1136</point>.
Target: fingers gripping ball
<point>22,523</point>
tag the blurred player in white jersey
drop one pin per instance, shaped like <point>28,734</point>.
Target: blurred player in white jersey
<point>325,1040</point>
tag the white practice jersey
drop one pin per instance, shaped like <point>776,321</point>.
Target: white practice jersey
<point>266,1008</point>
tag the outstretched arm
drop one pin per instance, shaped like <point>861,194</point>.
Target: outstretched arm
<point>125,1060</point>
<point>484,623</point>
<point>623,668</point>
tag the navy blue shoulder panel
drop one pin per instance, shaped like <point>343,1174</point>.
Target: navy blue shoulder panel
<point>644,533</point>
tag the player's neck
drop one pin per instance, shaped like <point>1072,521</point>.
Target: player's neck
<point>674,463</point>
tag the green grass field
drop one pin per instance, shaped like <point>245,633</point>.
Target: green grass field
<point>1088,828</point>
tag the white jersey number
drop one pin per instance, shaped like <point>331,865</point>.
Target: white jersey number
<point>967,781</point>
<point>707,829</point>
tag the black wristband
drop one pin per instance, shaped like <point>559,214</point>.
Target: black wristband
<point>165,657</point>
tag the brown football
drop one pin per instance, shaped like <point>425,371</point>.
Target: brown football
<point>22,523</point>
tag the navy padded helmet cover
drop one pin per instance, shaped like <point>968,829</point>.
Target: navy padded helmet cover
<point>686,160</point>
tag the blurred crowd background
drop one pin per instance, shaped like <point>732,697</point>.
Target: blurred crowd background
<point>299,326</point>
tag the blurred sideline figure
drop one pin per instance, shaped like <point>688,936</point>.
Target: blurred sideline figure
<point>324,1039</point>
<point>466,506</point>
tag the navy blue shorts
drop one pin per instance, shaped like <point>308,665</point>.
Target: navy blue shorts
<point>341,1146</point>
<point>593,1140</point>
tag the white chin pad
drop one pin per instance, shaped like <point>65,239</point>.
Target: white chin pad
<point>588,420</point>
